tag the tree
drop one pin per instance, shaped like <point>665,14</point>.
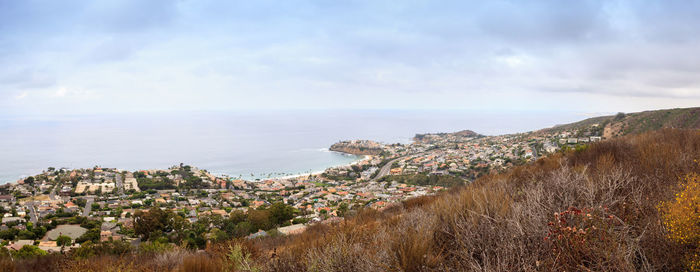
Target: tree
<point>342,209</point>
<point>29,180</point>
<point>9,234</point>
<point>280,212</point>
<point>90,235</point>
<point>28,251</point>
<point>25,235</point>
<point>619,116</point>
<point>63,241</point>
<point>155,220</point>
<point>259,220</point>
<point>237,216</point>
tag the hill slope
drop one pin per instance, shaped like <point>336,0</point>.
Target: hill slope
<point>594,209</point>
<point>638,122</point>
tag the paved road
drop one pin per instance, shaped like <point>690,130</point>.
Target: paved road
<point>88,207</point>
<point>120,184</point>
<point>52,194</point>
<point>385,169</point>
<point>32,212</point>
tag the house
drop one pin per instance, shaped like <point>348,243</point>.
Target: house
<point>49,246</point>
<point>293,229</point>
<point>260,233</point>
<point>65,191</point>
<point>220,212</point>
<point>19,244</point>
<point>9,219</point>
<point>105,235</point>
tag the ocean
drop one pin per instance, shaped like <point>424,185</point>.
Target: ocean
<point>247,144</point>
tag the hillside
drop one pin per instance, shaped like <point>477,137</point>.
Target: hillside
<point>461,134</point>
<point>358,147</point>
<point>626,204</point>
<point>638,122</point>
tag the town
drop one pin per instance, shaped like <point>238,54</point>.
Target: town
<point>62,209</point>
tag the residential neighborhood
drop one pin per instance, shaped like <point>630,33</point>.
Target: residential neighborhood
<point>102,204</point>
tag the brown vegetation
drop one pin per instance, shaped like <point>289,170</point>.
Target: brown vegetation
<point>595,209</point>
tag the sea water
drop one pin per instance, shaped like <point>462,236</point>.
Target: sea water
<point>243,144</point>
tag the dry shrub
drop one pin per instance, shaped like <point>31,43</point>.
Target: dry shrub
<point>590,239</point>
<point>415,248</point>
<point>169,260</point>
<point>104,263</point>
<point>201,263</point>
<point>51,262</point>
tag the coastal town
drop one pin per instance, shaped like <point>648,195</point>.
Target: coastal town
<point>62,209</point>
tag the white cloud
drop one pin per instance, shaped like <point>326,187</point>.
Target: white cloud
<point>21,95</point>
<point>61,92</point>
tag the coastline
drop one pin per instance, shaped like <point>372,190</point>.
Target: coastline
<point>316,173</point>
<point>360,159</point>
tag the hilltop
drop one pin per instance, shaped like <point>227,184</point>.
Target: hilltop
<point>633,123</point>
<point>426,137</point>
<point>358,147</point>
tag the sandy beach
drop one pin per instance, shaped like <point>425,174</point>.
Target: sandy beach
<point>316,173</point>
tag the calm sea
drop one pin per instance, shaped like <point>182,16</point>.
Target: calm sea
<point>249,144</point>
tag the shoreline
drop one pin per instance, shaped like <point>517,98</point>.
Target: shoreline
<point>364,158</point>
<point>361,158</point>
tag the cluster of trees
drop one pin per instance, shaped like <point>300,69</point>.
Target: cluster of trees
<point>30,233</point>
<point>191,181</point>
<point>161,181</point>
<point>158,182</point>
<point>27,251</point>
<point>425,180</point>
<point>167,226</point>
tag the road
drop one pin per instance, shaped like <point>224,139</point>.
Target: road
<point>52,194</point>
<point>88,206</point>
<point>385,169</point>
<point>32,212</point>
<point>120,184</point>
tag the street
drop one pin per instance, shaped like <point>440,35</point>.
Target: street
<point>88,206</point>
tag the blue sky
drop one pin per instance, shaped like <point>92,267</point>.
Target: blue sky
<point>93,57</point>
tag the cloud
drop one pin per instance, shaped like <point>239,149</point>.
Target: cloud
<point>61,92</point>
<point>21,95</point>
<point>175,55</point>
<point>26,78</point>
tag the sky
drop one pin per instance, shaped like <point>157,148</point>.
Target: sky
<point>92,57</point>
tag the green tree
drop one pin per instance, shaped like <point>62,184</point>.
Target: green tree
<point>259,220</point>
<point>29,180</point>
<point>153,221</point>
<point>25,235</point>
<point>91,235</point>
<point>29,251</point>
<point>63,241</point>
<point>342,209</point>
<point>280,212</point>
